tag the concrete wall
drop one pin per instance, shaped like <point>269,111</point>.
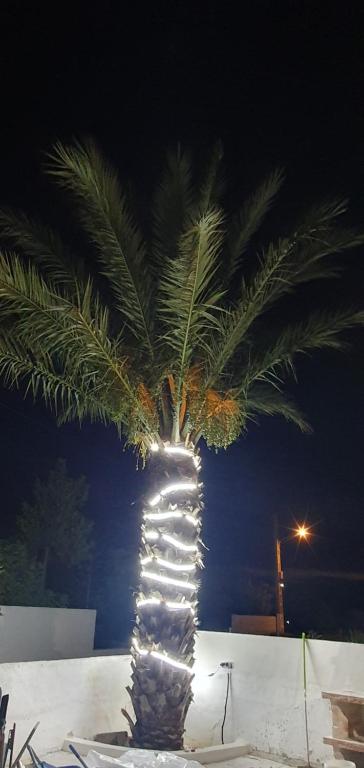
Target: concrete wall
<point>267,701</point>
<point>81,697</point>
<point>253,625</point>
<point>29,634</point>
<point>69,697</point>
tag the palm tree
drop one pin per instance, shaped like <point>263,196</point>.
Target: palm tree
<point>173,345</point>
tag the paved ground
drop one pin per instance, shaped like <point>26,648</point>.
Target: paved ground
<point>249,761</point>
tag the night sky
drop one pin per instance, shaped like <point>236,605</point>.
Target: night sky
<point>282,84</point>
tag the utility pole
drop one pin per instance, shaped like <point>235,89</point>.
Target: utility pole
<point>279,580</point>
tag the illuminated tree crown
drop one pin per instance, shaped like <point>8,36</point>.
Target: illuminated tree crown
<point>172,339</point>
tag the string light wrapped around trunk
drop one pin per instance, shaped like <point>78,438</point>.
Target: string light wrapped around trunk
<point>163,640</point>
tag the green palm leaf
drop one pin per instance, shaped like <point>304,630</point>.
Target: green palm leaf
<point>321,330</point>
<point>105,216</point>
<point>246,223</point>
<point>211,187</point>
<point>44,246</point>
<point>270,401</point>
<point>173,207</point>
<point>188,295</point>
<point>76,334</point>
<point>63,393</point>
<point>282,266</point>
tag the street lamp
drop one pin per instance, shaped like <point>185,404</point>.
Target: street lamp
<point>301,532</point>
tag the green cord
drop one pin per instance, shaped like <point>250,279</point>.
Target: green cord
<point>304,662</point>
<point>305,695</point>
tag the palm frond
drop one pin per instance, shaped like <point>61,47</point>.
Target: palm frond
<point>43,246</point>
<point>212,183</point>
<point>325,214</point>
<point>27,298</point>
<point>283,266</point>
<point>48,323</point>
<point>76,334</point>
<point>172,208</point>
<point>270,401</point>
<point>321,330</point>
<point>235,324</point>
<point>246,223</point>
<point>317,237</point>
<point>309,263</point>
<point>64,394</point>
<point>104,214</point>
<point>188,296</point>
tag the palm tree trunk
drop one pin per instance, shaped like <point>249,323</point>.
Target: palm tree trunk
<point>164,634</point>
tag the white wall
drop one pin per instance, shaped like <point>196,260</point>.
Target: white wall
<point>29,634</point>
<point>267,701</point>
<point>81,697</point>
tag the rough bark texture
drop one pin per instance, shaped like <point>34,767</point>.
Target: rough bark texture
<point>161,693</point>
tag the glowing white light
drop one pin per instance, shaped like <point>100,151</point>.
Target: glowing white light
<point>172,514</point>
<point>194,520</point>
<point>178,450</point>
<point>173,662</point>
<point>172,488</point>
<point>174,606</point>
<point>145,560</point>
<point>154,534</point>
<point>155,500</point>
<point>171,604</point>
<point>175,566</point>
<point>162,657</point>
<point>162,515</point>
<point>148,601</point>
<point>151,535</point>
<point>167,580</point>
<point>168,564</point>
<point>141,651</point>
<point>179,544</point>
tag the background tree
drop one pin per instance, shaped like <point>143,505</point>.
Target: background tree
<point>21,578</point>
<point>175,339</point>
<point>53,525</point>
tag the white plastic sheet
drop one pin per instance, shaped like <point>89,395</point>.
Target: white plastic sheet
<point>139,758</point>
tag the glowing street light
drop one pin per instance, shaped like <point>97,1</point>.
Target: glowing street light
<point>302,532</point>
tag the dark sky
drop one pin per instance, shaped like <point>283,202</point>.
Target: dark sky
<point>281,83</point>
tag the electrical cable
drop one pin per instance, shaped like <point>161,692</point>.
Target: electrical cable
<point>211,674</point>
<point>305,698</point>
<point>228,683</point>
